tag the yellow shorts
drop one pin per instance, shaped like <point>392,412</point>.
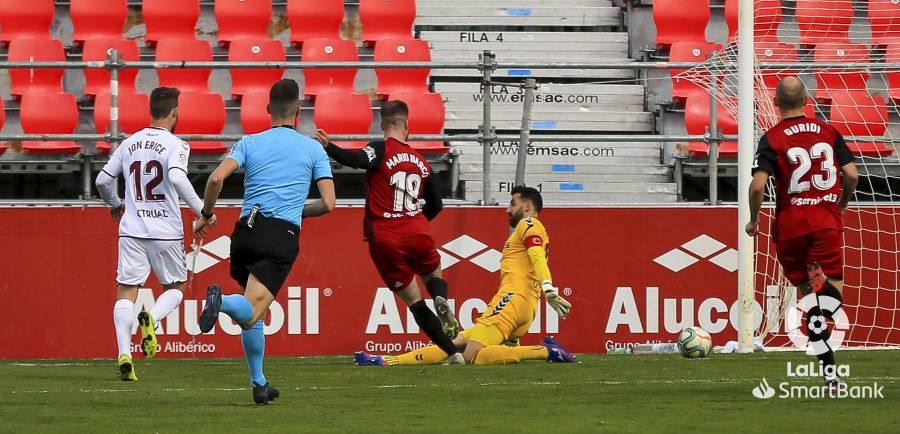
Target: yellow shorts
<point>507,317</point>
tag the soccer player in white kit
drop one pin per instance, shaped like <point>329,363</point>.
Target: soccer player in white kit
<point>151,231</point>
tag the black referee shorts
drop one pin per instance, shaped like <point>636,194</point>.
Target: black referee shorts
<point>267,251</point>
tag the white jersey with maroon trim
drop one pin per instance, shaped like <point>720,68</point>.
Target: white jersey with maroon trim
<point>152,209</point>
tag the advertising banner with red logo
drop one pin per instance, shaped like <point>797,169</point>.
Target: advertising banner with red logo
<point>633,275</point>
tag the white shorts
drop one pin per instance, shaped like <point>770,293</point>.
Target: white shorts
<point>138,256</point>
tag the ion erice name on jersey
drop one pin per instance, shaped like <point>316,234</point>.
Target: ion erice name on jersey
<point>152,209</point>
<point>805,156</point>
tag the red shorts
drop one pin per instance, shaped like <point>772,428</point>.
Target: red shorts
<point>399,261</point>
<point>824,247</point>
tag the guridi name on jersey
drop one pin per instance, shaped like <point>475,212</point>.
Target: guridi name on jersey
<point>803,128</point>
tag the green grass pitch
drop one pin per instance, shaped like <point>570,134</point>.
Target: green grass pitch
<point>602,393</point>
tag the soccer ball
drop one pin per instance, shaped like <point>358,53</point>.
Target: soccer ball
<point>694,343</point>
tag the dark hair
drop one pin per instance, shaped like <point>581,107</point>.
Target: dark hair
<point>394,113</point>
<point>162,101</point>
<point>284,97</point>
<point>790,93</point>
<point>530,194</point>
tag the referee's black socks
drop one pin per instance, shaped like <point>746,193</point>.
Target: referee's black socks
<point>437,287</point>
<point>431,325</point>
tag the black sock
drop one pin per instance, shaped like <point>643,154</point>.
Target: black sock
<point>831,291</point>
<point>827,358</point>
<point>431,325</point>
<point>437,287</point>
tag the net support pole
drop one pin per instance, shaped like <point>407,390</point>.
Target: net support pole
<point>746,123</point>
<point>525,135</point>
<point>488,63</point>
<point>713,142</point>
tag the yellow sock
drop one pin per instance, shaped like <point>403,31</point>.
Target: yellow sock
<point>427,355</point>
<point>502,354</point>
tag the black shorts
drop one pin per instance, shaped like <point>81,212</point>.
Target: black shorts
<point>267,251</point>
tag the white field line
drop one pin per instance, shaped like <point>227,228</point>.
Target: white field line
<point>500,383</point>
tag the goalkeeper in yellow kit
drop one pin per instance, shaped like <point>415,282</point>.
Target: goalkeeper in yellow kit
<point>524,275</point>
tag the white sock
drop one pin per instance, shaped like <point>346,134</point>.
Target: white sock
<point>123,318</point>
<point>165,304</point>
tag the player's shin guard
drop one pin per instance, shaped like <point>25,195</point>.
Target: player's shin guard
<point>165,304</point>
<point>502,354</point>
<point>431,325</point>
<point>817,329</point>
<point>254,341</point>
<point>437,287</point>
<point>123,319</point>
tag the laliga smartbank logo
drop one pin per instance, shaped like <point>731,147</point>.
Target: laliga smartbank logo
<point>811,375</point>
<point>817,325</point>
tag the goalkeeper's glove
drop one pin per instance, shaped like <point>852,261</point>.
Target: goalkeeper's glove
<point>559,304</point>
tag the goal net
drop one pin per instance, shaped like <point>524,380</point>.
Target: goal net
<point>853,83</point>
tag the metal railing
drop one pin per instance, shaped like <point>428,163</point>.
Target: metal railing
<point>487,64</point>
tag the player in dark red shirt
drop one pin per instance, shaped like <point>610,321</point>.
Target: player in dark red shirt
<point>400,200</point>
<point>815,177</point>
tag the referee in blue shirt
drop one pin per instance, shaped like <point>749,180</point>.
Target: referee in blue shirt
<point>280,166</point>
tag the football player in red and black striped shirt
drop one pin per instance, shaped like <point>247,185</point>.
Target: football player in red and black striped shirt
<point>400,200</point>
<point>815,177</point>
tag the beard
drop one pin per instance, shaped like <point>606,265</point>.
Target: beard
<point>174,124</point>
<point>515,218</point>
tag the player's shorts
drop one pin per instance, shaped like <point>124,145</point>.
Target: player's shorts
<point>824,247</point>
<point>399,261</point>
<point>137,256</point>
<point>268,251</point>
<point>508,317</point>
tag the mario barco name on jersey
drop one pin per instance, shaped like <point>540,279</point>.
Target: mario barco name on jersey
<point>404,157</point>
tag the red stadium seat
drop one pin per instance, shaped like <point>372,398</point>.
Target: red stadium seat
<point>426,116</point>
<point>314,19</point>
<point>97,19</point>
<point>856,113</point>
<point>401,50</point>
<point>25,19</point>
<point>823,20</point>
<point>382,19</point>
<point>254,117</point>
<point>186,80</point>
<point>329,80</point>
<point>255,50</point>
<point>202,113</point>
<point>242,19</point>
<point>688,52</point>
<point>893,78</point>
<point>134,114</point>
<point>97,80</point>
<point>884,16</point>
<point>35,50</point>
<point>766,18</point>
<point>49,113</point>
<point>344,113</point>
<point>771,51</point>
<point>840,52</point>
<point>680,21</point>
<point>170,19</point>
<point>696,120</point>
